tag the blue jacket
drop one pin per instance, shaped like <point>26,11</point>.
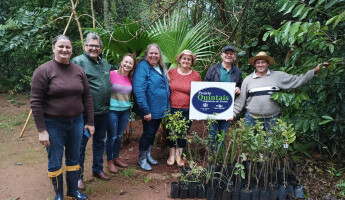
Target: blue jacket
<point>213,74</point>
<point>151,91</point>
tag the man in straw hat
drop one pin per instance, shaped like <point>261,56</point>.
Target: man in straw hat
<point>257,88</point>
<point>224,71</point>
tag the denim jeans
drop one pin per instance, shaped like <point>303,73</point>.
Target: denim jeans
<point>63,132</point>
<point>98,144</point>
<point>267,122</point>
<point>181,142</point>
<point>117,123</point>
<point>149,133</point>
<point>218,128</point>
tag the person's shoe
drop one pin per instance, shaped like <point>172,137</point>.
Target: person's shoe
<point>149,158</point>
<point>178,157</point>
<point>111,167</point>
<point>143,161</point>
<point>58,186</point>
<point>171,159</point>
<point>120,163</point>
<point>81,185</point>
<point>101,176</point>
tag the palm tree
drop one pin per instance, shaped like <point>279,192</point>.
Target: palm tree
<point>174,34</point>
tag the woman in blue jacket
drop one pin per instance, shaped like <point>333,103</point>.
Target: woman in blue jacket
<point>151,92</point>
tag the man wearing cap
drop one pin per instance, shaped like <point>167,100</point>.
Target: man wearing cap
<point>258,86</point>
<point>224,71</point>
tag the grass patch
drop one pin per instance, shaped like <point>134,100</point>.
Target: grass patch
<point>129,172</point>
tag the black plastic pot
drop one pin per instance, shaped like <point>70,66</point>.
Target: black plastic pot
<point>245,194</point>
<point>201,191</point>
<point>264,195</point>
<point>174,191</point>
<point>290,194</point>
<point>255,194</point>
<point>226,195</point>
<point>273,193</point>
<point>192,191</point>
<point>218,193</point>
<point>183,190</point>
<point>280,174</point>
<point>299,192</point>
<point>236,194</point>
<point>210,193</point>
<point>282,192</point>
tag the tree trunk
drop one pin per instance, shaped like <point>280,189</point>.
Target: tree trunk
<point>106,14</point>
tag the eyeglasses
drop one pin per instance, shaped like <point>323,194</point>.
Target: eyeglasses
<point>93,46</point>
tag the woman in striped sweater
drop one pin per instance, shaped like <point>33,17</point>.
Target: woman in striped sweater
<point>121,87</point>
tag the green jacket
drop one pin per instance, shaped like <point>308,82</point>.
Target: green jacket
<point>99,80</point>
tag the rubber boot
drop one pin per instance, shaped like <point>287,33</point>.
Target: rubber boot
<point>178,157</point>
<point>149,158</point>
<point>143,161</point>
<point>72,186</point>
<point>58,186</point>
<point>171,159</point>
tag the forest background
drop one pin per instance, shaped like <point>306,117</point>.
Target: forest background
<point>298,34</point>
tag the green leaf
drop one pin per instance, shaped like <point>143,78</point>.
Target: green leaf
<point>305,126</point>
<point>292,139</point>
<point>283,7</point>
<point>327,117</point>
<point>298,10</point>
<point>331,20</point>
<point>266,35</point>
<point>299,125</point>
<point>320,2</point>
<point>305,13</point>
<point>286,29</point>
<point>290,7</point>
<point>340,18</point>
<point>311,1</point>
<point>325,122</point>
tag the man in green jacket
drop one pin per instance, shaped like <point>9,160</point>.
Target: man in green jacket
<point>97,71</point>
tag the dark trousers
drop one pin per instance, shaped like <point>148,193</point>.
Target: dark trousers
<point>98,145</point>
<point>149,133</point>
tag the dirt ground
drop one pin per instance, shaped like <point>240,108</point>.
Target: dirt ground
<point>23,163</point>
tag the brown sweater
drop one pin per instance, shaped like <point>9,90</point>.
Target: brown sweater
<point>60,91</point>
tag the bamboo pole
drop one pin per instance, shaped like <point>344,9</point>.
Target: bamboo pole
<point>26,123</point>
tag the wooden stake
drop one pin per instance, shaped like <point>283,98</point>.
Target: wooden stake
<point>26,123</point>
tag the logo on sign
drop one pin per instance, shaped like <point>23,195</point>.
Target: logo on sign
<point>212,100</point>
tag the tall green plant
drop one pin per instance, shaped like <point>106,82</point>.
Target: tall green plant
<point>315,32</point>
<point>174,34</point>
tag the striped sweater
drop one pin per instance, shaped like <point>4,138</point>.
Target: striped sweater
<point>256,91</point>
<point>121,89</point>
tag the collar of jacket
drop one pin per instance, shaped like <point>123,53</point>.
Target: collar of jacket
<point>100,57</point>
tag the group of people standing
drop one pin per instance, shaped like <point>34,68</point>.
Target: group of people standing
<point>73,100</point>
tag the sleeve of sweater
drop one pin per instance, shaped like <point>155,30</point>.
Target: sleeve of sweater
<point>288,81</point>
<point>140,86</point>
<point>39,88</point>
<point>241,100</point>
<point>87,101</point>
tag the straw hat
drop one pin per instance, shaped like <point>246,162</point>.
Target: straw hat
<point>261,56</point>
<point>186,52</point>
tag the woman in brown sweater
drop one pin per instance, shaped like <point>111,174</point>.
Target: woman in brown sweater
<point>59,95</point>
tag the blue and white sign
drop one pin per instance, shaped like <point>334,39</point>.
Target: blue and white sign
<point>212,100</point>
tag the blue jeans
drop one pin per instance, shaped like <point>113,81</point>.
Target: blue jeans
<point>267,122</point>
<point>117,123</point>
<point>98,144</point>
<point>219,127</point>
<point>149,133</point>
<point>181,142</point>
<point>63,132</point>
